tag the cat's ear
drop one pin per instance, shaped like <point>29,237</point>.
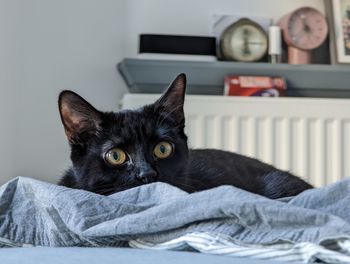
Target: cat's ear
<point>80,119</point>
<point>172,100</point>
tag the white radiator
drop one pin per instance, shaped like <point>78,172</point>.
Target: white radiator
<point>309,137</point>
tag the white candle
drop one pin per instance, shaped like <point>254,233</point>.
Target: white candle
<point>275,44</point>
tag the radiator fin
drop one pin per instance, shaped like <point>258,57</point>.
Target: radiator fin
<point>315,149</point>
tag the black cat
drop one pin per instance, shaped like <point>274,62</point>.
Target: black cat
<point>112,152</point>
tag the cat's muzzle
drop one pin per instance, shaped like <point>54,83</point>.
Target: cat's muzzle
<point>147,176</point>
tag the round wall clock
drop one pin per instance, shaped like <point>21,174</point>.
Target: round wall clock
<point>303,30</point>
<point>244,40</point>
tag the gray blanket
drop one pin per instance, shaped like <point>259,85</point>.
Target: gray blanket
<point>41,214</point>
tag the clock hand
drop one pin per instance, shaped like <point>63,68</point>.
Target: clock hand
<point>307,28</point>
<point>313,38</point>
<point>297,36</point>
<point>254,43</point>
<point>246,49</point>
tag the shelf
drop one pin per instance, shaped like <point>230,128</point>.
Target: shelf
<point>153,76</point>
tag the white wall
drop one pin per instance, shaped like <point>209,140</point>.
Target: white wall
<point>51,45</point>
<point>65,44</point>
<point>9,73</point>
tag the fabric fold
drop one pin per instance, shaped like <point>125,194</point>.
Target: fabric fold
<point>225,220</point>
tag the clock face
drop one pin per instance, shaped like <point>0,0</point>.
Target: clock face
<point>244,40</point>
<point>306,28</point>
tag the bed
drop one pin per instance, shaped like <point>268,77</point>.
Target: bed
<point>224,221</point>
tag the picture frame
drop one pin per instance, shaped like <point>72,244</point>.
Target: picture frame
<point>338,13</point>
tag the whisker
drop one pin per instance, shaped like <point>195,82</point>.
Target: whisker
<point>187,183</point>
<point>106,189</point>
<point>183,182</point>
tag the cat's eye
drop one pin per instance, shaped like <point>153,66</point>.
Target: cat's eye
<point>163,150</point>
<point>115,156</point>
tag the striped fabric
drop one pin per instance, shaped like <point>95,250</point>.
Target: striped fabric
<point>332,251</point>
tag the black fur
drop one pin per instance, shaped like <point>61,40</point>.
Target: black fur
<point>92,133</point>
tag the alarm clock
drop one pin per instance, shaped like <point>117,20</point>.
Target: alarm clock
<point>244,40</point>
<point>304,29</point>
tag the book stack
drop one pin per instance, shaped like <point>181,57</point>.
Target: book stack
<point>266,86</point>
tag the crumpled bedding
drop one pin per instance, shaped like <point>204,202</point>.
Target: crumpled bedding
<point>313,226</point>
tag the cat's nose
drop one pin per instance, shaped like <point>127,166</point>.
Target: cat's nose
<point>147,176</point>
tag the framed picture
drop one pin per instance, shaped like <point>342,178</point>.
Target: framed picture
<point>340,25</point>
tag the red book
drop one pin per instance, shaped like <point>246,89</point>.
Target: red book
<point>266,86</point>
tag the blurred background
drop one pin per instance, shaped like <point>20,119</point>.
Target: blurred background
<point>49,45</point>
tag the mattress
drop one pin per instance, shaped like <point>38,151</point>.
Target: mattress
<point>79,255</point>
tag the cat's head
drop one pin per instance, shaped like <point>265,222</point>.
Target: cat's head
<point>111,151</point>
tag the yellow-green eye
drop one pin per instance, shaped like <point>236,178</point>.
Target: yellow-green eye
<point>116,156</point>
<point>163,150</point>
